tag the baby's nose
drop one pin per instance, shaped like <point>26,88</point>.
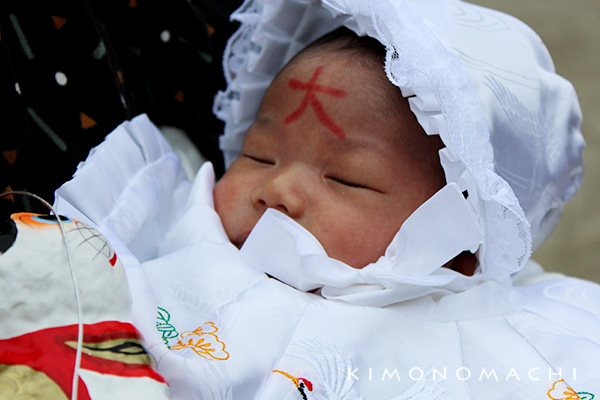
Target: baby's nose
<point>284,192</point>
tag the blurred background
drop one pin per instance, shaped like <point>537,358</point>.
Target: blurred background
<point>571,31</point>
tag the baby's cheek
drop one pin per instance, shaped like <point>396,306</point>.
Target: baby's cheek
<point>226,187</point>
<point>233,205</point>
<point>224,196</point>
<point>378,233</point>
<point>218,198</point>
<point>360,241</point>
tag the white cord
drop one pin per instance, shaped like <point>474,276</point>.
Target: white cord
<point>75,382</point>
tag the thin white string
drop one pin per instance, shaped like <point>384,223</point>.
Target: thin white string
<point>75,382</point>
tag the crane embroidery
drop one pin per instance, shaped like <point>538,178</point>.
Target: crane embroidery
<point>301,383</point>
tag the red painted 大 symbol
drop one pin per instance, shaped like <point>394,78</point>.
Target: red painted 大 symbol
<point>312,89</point>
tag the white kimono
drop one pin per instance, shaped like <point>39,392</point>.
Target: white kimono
<point>279,319</point>
<point>220,328</point>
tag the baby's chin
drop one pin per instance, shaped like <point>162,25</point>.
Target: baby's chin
<point>358,258</point>
<point>239,239</point>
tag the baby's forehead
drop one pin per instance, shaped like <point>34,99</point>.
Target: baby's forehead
<point>356,72</point>
<point>351,93</point>
<point>336,58</point>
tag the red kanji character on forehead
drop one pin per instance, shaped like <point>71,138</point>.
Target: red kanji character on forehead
<point>312,88</point>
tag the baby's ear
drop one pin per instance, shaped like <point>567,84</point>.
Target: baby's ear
<point>464,263</point>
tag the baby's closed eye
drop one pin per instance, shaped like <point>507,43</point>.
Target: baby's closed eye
<point>357,183</point>
<point>348,182</point>
<point>259,159</point>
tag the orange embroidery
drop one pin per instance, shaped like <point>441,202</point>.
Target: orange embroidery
<point>204,342</point>
<point>564,392</point>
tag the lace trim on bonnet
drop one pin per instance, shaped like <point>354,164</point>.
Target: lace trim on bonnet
<point>439,51</point>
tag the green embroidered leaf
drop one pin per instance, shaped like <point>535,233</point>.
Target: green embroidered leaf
<point>585,396</point>
<point>163,317</point>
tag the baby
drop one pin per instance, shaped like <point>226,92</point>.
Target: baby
<point>447,140</point>
<point>335,147</point>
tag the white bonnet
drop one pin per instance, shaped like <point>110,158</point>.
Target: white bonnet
<point>481,79</point>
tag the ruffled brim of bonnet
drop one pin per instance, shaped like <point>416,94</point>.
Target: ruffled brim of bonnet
<point>481,80</point>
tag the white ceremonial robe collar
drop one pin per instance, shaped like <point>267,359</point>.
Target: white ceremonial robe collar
<point>440,229</point>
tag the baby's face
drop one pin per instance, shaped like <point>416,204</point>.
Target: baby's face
<point>330,151</point>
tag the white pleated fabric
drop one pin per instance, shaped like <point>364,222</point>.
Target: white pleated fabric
<point>220,328</point>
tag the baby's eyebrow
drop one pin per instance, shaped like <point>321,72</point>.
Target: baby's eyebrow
<point>361,145</point>
<point>348,144</point>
